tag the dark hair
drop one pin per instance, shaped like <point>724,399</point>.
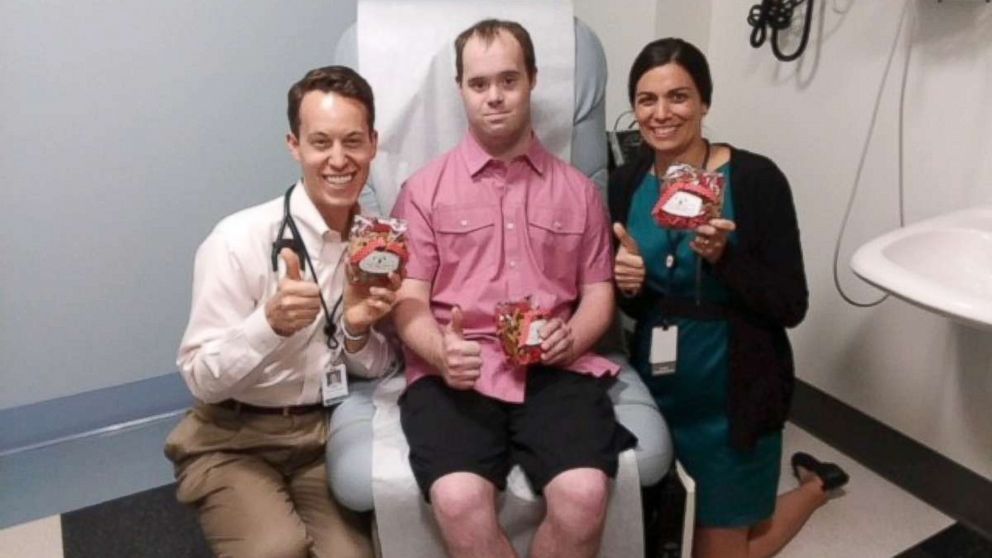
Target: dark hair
<point>331,79</point>
<point>665,51</point>
<point>487,30</point>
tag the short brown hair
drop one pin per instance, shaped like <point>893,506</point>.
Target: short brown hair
<point>487,30</point>
<point>331,79</point>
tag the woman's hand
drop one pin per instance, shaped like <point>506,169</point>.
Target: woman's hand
<point>711,239</point>
<point>628,267</point>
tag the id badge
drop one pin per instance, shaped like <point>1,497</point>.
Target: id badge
<point>334,385</point>
<point>664,350</point>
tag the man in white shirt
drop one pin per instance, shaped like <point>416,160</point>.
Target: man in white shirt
<point>273,318</point>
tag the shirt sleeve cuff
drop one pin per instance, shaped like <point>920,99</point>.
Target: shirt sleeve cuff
<point>259,333</point>
<point>593,277</point>
<point>362,362</point>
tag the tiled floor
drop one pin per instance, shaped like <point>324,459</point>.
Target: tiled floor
<point>874,518</point>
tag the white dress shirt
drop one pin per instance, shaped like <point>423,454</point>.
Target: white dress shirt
<point>229,350</point>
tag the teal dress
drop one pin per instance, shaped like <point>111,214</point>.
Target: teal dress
<point>733,488</point>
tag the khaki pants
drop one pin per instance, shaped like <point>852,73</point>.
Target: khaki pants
<point>260,487</point>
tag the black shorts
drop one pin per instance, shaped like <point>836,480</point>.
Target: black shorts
<point>566,421</point>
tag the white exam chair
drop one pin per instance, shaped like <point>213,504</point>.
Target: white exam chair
<point>350,458</point>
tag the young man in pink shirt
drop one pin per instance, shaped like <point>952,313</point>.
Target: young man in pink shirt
<point>497,219</point>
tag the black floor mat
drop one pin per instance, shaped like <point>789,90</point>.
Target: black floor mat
<point>957,541</point>
<point>149,524</point>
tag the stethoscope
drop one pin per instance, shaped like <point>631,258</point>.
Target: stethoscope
<point>295,243</point>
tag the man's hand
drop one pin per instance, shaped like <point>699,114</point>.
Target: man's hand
<point>628,267</point>
<point>557,343</point>
<point>462,359</point>
<point>711,239</point>
<point>296,302</point>
<point>365,305</point>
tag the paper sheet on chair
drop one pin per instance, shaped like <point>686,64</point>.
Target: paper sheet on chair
<point>406,525</point>
<point>406,52</point>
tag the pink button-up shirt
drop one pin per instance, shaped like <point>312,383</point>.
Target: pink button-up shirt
<point>482,231</point>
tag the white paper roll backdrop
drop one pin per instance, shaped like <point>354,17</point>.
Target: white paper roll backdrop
<point>406,52</point>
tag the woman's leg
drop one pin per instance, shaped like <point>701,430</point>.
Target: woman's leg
<point>792,510</point>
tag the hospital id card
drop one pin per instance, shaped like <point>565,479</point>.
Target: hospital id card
<point>334,385</point>
<point>664,350</point>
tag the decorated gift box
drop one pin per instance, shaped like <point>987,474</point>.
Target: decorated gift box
<point>377,247</point>
<point>690,197</point>
<point>519,325</point>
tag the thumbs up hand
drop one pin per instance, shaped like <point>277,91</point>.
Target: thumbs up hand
<point>628,267</point>
<point>462,359</point>
<point>296,302</point>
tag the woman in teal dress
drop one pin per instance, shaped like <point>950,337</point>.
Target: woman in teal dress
<point>715,301</point>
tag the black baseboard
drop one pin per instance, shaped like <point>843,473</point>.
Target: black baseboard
<point>944,484</point>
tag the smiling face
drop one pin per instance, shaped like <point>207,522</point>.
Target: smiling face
<point>669,110</point>
<point>495,90</point>
<point>335,148</point>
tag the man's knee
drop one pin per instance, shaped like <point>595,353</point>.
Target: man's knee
<point>461,497</point>
<point>273,542</point>
<point>577,501</point>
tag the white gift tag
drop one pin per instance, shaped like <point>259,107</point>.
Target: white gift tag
<point>380,262</point>
<point>664,350</point>
<point>334,385</point>
<point>683,204</point>
<point>533,337</point>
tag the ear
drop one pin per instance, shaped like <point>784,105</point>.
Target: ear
<point>706,110</point>
<point>375,142</point>
<point>533,80</point>
<point>294,145</point>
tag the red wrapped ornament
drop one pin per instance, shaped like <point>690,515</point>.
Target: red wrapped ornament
<point>690,197</point>
<point>376,248</point>
<point>519,324</point>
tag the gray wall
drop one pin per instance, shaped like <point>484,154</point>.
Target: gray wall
<point>127,130</point>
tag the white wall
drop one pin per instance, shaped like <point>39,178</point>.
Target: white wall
<point>128,130</point>
<point>625,27</point>
<point>927,377</point>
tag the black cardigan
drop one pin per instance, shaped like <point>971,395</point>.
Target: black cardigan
<point>763,272</point>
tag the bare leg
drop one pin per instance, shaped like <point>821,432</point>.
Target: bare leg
<point>792,510</point>
<point>573,527</point>
<point>465,509</point>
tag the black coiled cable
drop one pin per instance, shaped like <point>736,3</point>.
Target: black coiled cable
<point>777,14</point>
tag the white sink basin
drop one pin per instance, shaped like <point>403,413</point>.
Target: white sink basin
<point>943,264</point>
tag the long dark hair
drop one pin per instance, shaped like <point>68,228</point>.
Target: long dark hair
<point>664,51</point>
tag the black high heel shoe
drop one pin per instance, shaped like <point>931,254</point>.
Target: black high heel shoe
<point>830,474</point>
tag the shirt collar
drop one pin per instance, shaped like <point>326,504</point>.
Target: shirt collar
<point>476,158</point>
<point>308,219</point>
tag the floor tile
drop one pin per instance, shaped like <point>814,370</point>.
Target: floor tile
<point>41,538</point>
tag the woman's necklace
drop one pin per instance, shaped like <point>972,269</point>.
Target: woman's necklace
<point>703,165</point>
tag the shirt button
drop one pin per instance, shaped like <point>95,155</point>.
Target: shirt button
<point>463,223</point>
<point>557,224</point>
<point>513,264</point>
<point>509,226</point>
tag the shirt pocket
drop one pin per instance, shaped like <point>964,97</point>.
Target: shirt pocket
<point>464,234</point>
<point>556,238</point>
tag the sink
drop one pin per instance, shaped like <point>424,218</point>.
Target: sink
<point>943,264</point>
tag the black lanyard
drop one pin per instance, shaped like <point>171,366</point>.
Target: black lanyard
<point>295,243</point>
